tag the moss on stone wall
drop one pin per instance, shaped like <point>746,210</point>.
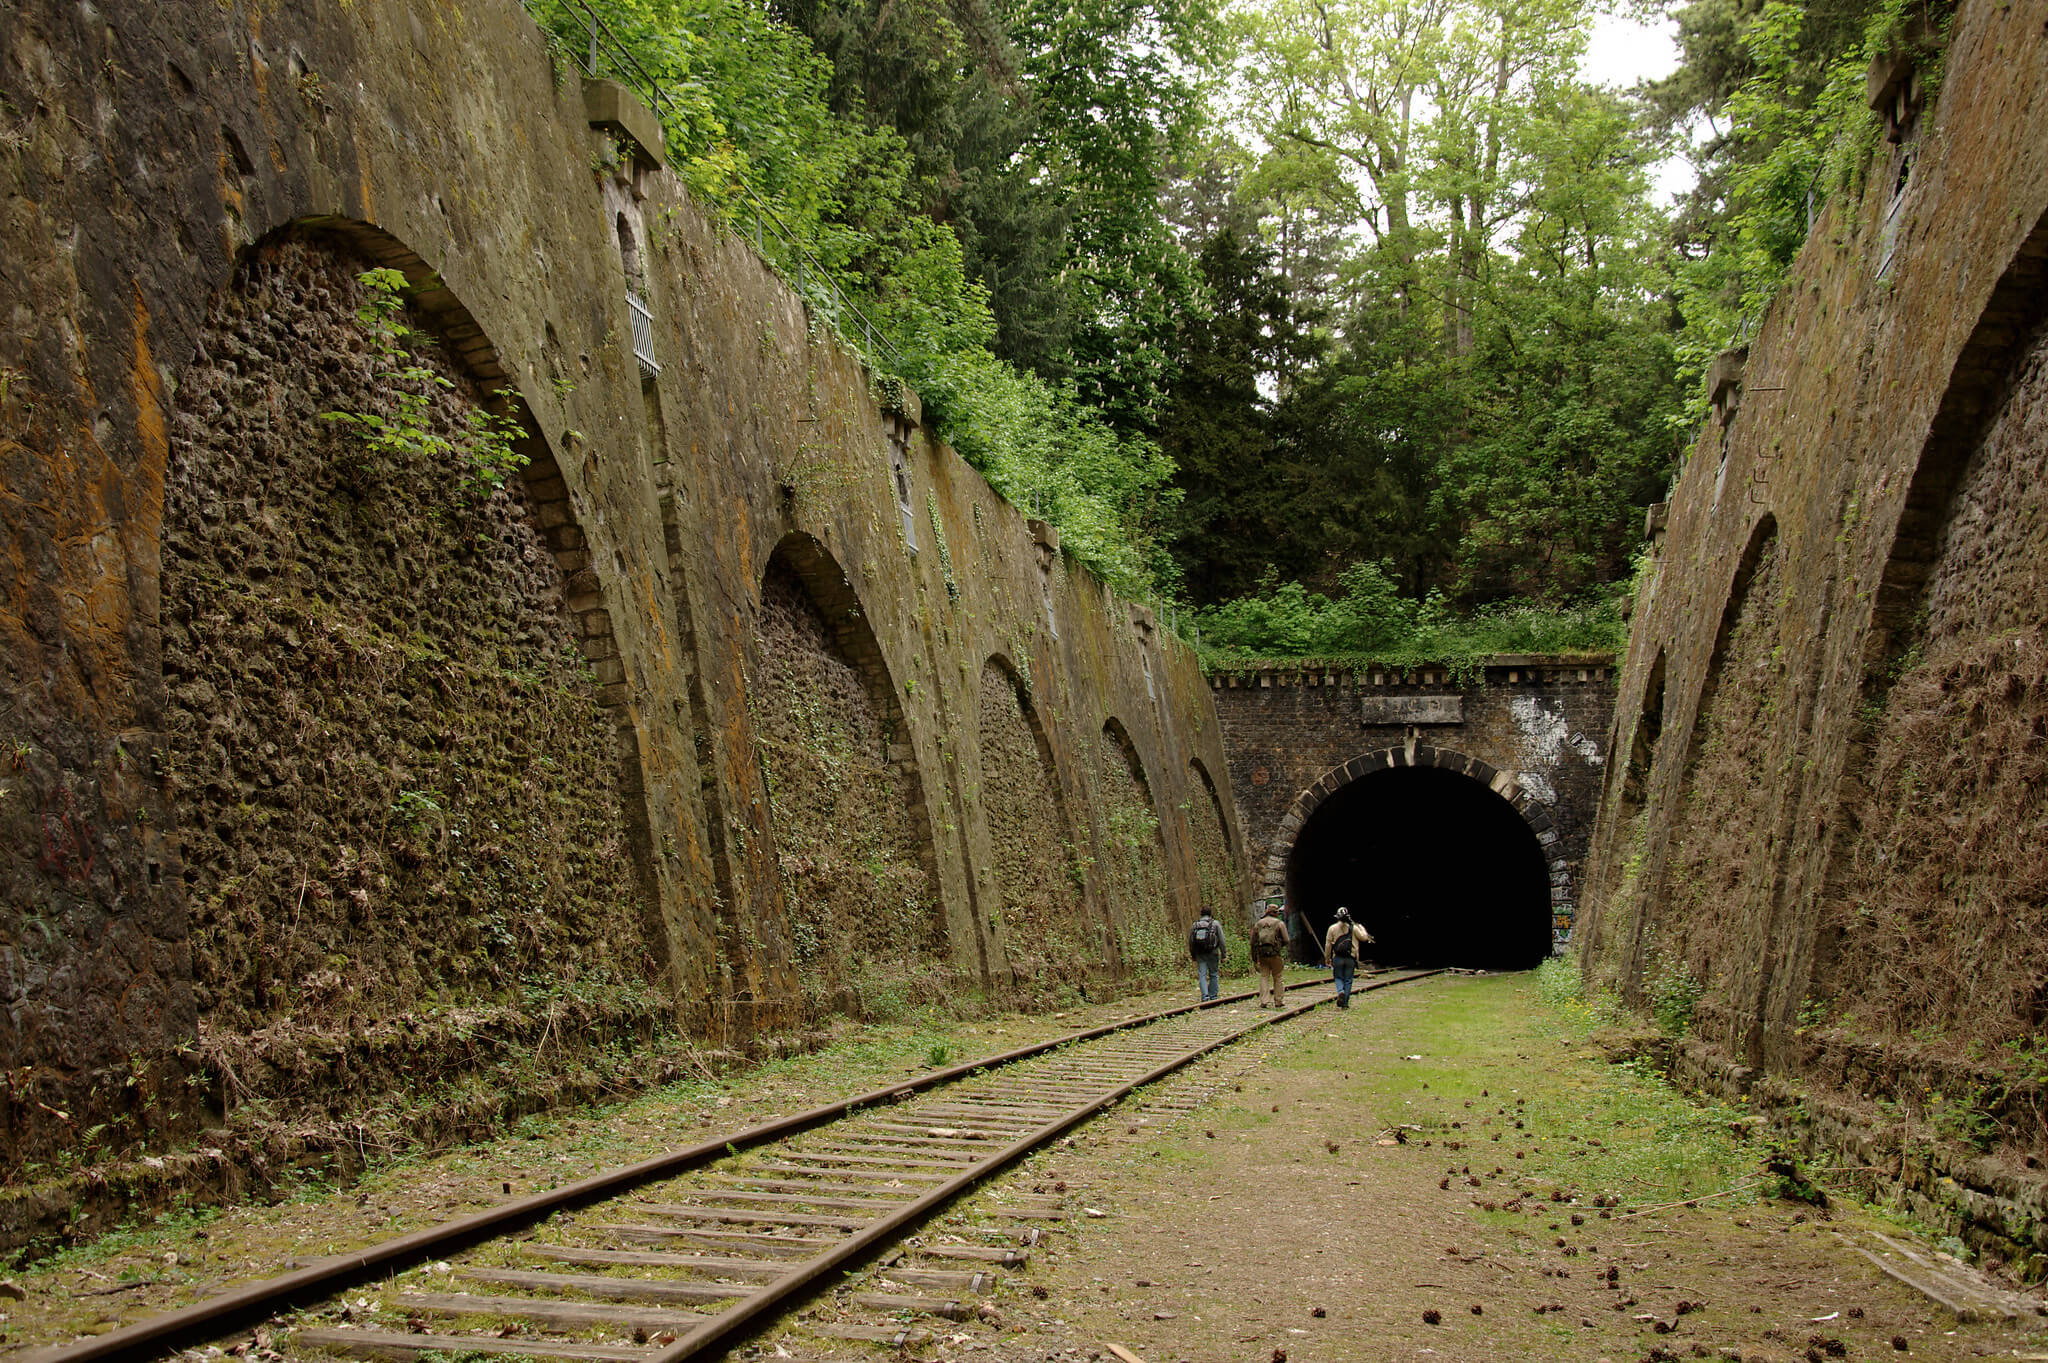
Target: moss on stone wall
<point>1939,912</point>
<point>1046,931</point>
<point>860,899</point>
<point>1133,859</point>
<point>1216,875</point>
<point>395,790</point>
<point>1707,927</point>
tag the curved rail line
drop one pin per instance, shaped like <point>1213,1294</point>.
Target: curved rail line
<point>844,1179</point>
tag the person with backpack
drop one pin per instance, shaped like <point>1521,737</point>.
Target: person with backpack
<point>1269,954</point>
<point>1341,947</point>
<point>1205,944</point>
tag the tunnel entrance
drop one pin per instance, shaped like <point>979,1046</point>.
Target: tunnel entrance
<point>1437,866</point>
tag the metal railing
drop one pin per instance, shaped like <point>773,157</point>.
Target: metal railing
<point>605,54</point>
<point>643,335</point>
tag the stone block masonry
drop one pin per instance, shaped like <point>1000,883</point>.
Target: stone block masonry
<point>335,784</point>
<point>1821,848</point>
<point>1537,729</point>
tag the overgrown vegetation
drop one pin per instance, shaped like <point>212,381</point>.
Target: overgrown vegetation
<point>1781,88</point>
<point>1358,325</point>
<point>1369,620</point>
<point>978,181</point>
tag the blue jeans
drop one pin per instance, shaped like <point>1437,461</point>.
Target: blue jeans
<point>1207,969</point>
<point>1344,967</point>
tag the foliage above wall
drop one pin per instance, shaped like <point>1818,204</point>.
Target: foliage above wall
<point>1368,620</point>
<point>1001,245</point>
<point>1257,287</point>
<point>1781,88</point>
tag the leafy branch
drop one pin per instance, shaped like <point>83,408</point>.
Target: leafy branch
<point>488,453</point>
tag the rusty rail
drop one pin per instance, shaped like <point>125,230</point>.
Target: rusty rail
<point>258,1301</point>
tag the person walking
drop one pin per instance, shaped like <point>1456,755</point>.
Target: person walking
<point>1269,954</point>
<point>1342,945</point>
<point>1205,944</point>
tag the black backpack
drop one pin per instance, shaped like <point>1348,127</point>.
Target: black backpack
<point>1345,947</point>
<point>1202,937</point>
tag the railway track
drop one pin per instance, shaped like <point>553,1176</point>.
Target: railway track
<point>693,1251</point>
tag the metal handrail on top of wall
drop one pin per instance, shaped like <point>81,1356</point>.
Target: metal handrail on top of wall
<point>607,54</point>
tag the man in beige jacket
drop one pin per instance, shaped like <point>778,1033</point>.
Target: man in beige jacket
<point>1269,954</point>
<point>1343,944</point>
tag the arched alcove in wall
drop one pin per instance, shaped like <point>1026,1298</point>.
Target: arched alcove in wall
<point>1216,877</point>
<point>1642,744</point>
<point>1046,928</point>
<point>1608,923</point>
<point>1688,917</point>
<point>1133,857</point>
<point>1444,860</point>
<point>853,838</point>
<point>1932,928</point>
<point>397,776</point>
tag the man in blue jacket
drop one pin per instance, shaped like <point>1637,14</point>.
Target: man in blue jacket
<point>1205,944</point>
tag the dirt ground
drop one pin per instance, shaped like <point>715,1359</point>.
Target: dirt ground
<point>1372,1166</point>
<point>1289,1219</point>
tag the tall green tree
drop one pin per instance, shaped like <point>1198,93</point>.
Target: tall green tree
<point>1218,426</point>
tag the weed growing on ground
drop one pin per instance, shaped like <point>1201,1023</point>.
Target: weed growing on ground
<point>172,1225</point>
<point>1674,992</point>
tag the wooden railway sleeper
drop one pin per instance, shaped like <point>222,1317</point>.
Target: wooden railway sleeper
<point>626,1258</point>
<point>882,1197</point>
<point>949,1307</point>
<point>1076,1090</point>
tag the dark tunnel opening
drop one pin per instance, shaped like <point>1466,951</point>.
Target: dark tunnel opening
<point>1437,866</point>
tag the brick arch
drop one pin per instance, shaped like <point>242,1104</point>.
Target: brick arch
<point>846,803</point>
<point>1273,881</point>
<point>1208,784</point>
<point>1763,536</point>
<point>1641,753</point>
<point>1680,791</point>
<point>2010,317</point>
<point>833,593</point>
<point>1020,682</point>
<point>1052,914</point>
<point>1133,868</point>
<point>1901,837</point>
<point>827,582</point>
<point>451,322</point>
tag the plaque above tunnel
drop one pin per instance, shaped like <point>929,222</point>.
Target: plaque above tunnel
<point>1411,710</point>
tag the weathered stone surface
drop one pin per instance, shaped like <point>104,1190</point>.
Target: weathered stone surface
<point>1401,710</point>
<point>1827,813</point>
<point>1531,727</point>
<point>136,187</point>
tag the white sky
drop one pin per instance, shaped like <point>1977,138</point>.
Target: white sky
<point>1622,52</point>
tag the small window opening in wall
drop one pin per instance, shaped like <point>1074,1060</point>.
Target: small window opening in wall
<point>1897,94</point>
<point>1895,211</point>
<point>641,319</point>
<point>899,474</point>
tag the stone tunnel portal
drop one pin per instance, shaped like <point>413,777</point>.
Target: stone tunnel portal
<point>1439,868</point>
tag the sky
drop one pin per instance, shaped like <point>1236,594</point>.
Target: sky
<point>1622,52</point>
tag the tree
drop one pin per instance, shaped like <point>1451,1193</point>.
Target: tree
<point>1218,425</point>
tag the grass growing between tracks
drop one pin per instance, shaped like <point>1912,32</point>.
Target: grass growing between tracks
<point>1383,1188</point>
